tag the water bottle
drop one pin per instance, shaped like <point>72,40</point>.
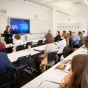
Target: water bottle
<point>25,38</point>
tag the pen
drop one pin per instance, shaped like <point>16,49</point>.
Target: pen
<point>39,84</point>
<point>52,82</point>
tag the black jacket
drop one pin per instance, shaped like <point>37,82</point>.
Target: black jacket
<point>57,38</point>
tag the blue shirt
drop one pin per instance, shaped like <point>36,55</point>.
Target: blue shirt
<point>5,63</point>
<point>76,39</point>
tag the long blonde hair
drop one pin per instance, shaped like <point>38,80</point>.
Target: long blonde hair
<point>66,38</point>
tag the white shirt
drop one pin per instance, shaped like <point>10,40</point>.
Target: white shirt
<point>84,35</point>
<point>17,43</point>
<point>49,48</point>
<point>62,44</point>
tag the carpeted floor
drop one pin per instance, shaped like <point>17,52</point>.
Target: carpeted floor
<point>25,77</point>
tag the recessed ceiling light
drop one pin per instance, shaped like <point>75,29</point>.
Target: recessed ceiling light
<point>86,1</point>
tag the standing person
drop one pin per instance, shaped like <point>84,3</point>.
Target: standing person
<point>78,75</point>
<point>8,35</point>
<point>84,35</point>
<point>58,37</point>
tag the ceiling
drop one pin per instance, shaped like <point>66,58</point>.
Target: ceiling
<point>63,4</point>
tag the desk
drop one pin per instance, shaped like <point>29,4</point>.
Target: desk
<point>52,74</point>
<point>15,55</point>
<point>9,45</point>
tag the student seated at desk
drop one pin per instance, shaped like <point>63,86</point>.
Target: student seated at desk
<point>17,42</point>
<point>58,37</point>
<point>86,43</point>
<point>78,75</point>
<point>5,63</point>
<point>50,47</point>
<point>2,45</point>
<point>62,44</point>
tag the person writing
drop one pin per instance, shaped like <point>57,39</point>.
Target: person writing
<point>8,35</point>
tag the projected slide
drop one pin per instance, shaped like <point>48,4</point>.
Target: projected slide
<point>19,26</point>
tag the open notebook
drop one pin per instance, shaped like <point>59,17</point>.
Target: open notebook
<point>48,84</point>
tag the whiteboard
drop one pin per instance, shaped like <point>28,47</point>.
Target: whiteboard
<point>3,23</point>
<point>74,27</point>
<point>38,26</point>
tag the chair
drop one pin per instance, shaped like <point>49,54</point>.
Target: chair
<point>80,43</point>
<point>7,78</point>
<point>52,59</point>
<point>40,42</point>
<point>28,43</point>
<point>23,62</point>
<point>66,51</point>
<point>21,47</point>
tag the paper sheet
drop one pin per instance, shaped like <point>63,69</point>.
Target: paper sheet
<point>47,84</point>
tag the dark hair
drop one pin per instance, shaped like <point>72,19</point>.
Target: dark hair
<point>70,32</point>
<point>86,41</point>
<point>7,28</point>
<point>79,68</point>
<point>17,36</point>
<point>83,31</point>
<point>79,33</point>
<point>49,38</point>
<point>64,31</point>
<point>58,32</point>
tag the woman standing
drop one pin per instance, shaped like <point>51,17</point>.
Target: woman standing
<point>8,35</point>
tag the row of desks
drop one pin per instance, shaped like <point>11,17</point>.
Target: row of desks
<point>15,55</point>
<point>35,50</point>
<point>53,74</point>
<point>33,41</point>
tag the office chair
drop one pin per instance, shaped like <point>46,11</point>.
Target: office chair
<point>21,47</point>
<point>52,59</point>
<point>40,42</point>
<point>23,62</point>
<point>7,78</point>
<point>27,44</point>
<point>66,51</point>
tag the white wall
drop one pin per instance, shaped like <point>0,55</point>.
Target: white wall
<point>75,15</point>
<point>21,9</point>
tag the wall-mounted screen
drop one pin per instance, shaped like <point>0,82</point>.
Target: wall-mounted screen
<point>19,26</point>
